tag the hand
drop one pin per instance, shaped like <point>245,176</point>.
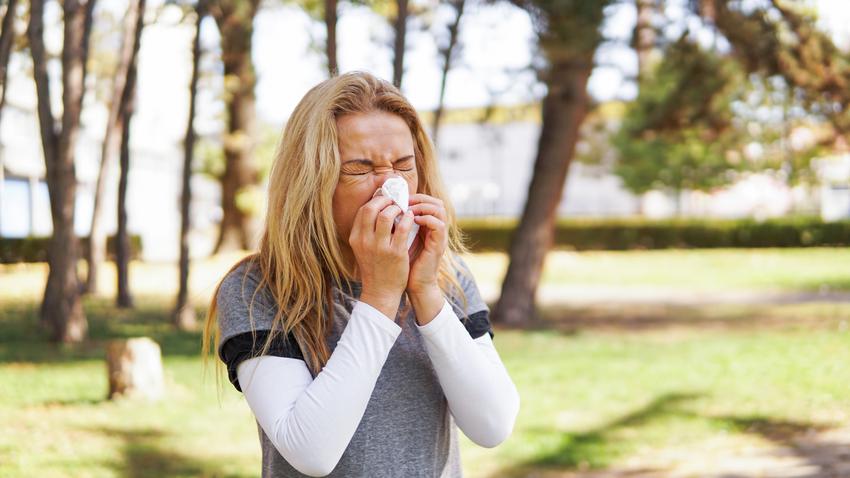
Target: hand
<point>380,253</point>
<point>431,242</point>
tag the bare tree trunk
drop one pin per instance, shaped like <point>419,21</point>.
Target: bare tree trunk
<point>330,46</point>
<point>448,53</point>
<point>564,109</point>
<point>235,19</point>
<point>128,105</point>
<point>7,36</point>
<point>400,27</point>
<point>644,36</point>
<point>184,314</point>
<point>61,308</point>
<point>133,23</point>
<point>124,299</point>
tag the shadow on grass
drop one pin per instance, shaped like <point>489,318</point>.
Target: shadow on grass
<point>659,317</point>
<point>22,339</point>
<point>826,458</point>
<point>596,448</point>
<point>144,457</point>
<point>599,448</point>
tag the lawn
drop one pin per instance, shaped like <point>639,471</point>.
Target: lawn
<point>592,398</point>
<point>813,269</point>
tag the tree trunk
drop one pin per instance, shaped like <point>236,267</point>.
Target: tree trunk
<point>184,314</point>
<point>235,20</point>
<point>400,27</point>
<point>448,52</point>
<point>7,37</point>
<point>330,45</point>
<point>564,109</point>
<point>133,24</point>
<point>643,40</point>
<point>128,105</point>
<point>61,309</point>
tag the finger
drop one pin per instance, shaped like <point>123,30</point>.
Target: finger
<point>424,198</point>
<point>429,208</point>
<point>402,230</point>
<point>368,213</point>
<point>384,223</point>
<point>431,222</point>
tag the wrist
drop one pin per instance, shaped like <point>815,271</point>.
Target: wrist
<point>387,304</point>
<point>426,303</point>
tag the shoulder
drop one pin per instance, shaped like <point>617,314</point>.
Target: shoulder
<point>245,315</point>
<point>241,304</point>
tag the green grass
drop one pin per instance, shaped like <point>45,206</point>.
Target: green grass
<point>706,269</point>
<point>590,398</point>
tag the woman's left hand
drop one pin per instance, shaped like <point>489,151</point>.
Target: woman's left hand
<point>433,238</point>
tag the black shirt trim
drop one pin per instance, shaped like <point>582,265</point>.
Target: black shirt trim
<point>478,323</point>
<point>244,346</point>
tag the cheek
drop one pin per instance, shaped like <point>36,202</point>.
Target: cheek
<point>347,200</point>
<point>412,182</point>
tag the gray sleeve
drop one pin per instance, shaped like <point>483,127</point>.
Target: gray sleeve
<point>476,315</point>
<point>236,313</point>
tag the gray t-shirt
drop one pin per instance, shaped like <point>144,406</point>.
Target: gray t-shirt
<point>406,429</point>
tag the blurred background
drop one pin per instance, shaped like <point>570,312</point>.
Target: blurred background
<point>656,195</point>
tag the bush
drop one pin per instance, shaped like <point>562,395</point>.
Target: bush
<point>34,249</point>
<point>624,234</point>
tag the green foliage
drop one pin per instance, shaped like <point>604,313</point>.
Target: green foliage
<point>680,132</point>
<point>783,39</point>
<point>34,249</point>
<point>210,154</point>
<point>566,29</point>
<point>626,234</point>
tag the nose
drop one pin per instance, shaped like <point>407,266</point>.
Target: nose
<point>382,173</point>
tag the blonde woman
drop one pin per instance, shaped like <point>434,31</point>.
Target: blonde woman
<point>358,356</point>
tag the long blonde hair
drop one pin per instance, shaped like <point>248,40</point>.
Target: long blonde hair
<point>299,257</point>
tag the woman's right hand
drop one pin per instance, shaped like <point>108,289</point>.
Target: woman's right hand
<point>381,254</point>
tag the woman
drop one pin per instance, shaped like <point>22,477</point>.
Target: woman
<point>356,355</point>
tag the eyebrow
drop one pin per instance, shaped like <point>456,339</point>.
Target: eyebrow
<point>369,161</point>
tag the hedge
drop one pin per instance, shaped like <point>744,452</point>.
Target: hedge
<point>624,234</point>
<point>34,249</point>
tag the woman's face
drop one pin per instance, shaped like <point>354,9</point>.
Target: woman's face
<point>373,147</point>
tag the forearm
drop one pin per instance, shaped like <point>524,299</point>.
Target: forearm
<point>311,421</point>
<point>481,395</point>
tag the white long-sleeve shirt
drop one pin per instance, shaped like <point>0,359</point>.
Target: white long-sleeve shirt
<point>311,421</point>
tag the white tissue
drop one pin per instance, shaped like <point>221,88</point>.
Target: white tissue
<point>396,189</point>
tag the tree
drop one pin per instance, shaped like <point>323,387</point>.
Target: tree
<point>448,52</point>
<point>128,105</point>
<point>7,37</point>
<point>680,132</point>
<point>184,314</point>
<point>330,14</point>
<point>645,35</point>
<point>400,30</point>
<point>782,40</point>
<point>61,308</point>
<point>133,24</point>
<point>235,20</point>
<point>568,33</point>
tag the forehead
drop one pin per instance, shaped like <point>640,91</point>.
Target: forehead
<point>375,133</point>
